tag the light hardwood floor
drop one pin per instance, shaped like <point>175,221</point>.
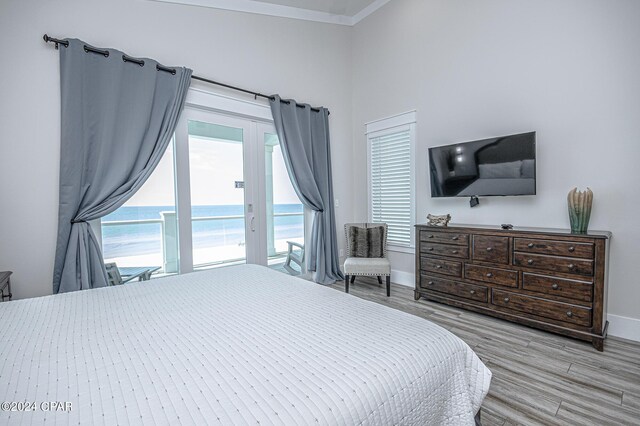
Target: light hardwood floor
<point>538,378</point>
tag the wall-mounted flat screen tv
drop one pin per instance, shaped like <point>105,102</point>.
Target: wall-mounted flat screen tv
<point>504,165</point>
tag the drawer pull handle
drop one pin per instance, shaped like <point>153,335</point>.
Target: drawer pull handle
<point>506,300</point>
<point>429,236</point>
<point>572,266</point>
<point>455,238</point>
<point>454,251</point>
<point>438,266</point>
<point>554,286</point>
<point>572,249</point>
<point>430,249</point>
<point>431,283</point>
<point>490,275</point>
<point>489,248</point>
<point>530,245</point>
<point>530,261</point>
<point>569,314</point>
<point>472,292</point>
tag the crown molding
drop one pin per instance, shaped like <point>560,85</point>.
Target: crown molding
<point>368,11</point>
<point>261,8</point>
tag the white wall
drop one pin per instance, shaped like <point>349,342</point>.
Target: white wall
<point>568,69</point>
<point>307,61</point>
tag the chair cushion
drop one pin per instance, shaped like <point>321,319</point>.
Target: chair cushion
<point>364,266</point>
<point>366,242</point>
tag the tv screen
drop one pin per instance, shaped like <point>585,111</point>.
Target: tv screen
<point>504,165</point>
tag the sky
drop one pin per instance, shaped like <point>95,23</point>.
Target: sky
<point>214,166</point>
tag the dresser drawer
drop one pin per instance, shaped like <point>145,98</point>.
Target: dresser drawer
<point>491,249</point>
<point>440,266</point>
<point>444,237</point>
<point>439,249</point>
<point>571,289</point>
<point>556,248</point>
<point>491,275</point>
<point>554,263</point>
<point>543,308</point>
<point>467,291</point>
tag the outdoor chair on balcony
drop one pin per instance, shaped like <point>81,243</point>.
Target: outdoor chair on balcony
<point>366,253</point>
<point>295,257</point>
<point>113,274</point>
<point>119,276</point>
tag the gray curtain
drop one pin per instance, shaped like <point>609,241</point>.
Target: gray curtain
<point>304,137</point>
<point>117,120</point>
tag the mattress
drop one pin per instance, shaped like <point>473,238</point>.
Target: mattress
<point>237,345</point>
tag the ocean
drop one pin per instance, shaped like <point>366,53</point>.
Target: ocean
<point>146,238</point>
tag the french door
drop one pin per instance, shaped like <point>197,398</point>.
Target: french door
<point>234,201</point>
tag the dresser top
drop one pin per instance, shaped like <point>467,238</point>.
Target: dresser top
<point>518,229</point>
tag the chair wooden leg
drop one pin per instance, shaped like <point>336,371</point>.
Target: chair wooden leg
<point>388,285</point>
<point>379,279</point>
<point>346,283</point>
<point>353,278</point>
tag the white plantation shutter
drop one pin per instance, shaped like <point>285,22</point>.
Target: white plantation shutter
<point>391,184</point>
<point>391,181</point>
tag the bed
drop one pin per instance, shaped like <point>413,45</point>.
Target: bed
<point>235,345</point>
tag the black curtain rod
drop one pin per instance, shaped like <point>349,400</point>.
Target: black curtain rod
<point>159,67</point>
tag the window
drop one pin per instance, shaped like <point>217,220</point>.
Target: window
<point>391,177</point>
<point>142,233</point>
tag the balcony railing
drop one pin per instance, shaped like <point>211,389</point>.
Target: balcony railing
<point>169,240</point>
<point>193,219</point>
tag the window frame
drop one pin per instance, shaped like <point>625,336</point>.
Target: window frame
<point>386,126</point>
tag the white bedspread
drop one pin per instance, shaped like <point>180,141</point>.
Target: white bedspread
<point>238,345</point>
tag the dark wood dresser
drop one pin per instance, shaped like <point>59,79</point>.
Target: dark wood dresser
<point>544,278</point>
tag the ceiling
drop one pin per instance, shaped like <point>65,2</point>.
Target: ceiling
<point>342,12</point>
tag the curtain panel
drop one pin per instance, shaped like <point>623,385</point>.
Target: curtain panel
<point>118,118</point>
<point>304,137</point>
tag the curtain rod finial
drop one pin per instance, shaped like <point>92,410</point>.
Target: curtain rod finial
<point>55,41</point>
<point>47,39</point>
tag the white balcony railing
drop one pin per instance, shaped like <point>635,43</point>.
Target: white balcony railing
<point>193,219</point>
<point>169,241</point>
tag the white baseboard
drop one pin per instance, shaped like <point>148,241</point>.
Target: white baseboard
<point>403,278</point>
<point>624,327</point>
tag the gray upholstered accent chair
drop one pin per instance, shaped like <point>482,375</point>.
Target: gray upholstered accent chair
<point>367,266</point>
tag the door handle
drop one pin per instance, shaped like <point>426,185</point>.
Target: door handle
<point>253,224</point>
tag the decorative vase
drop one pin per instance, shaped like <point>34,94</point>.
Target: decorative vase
<point>579,203</point>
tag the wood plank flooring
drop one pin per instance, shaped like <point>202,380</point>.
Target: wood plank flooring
<point>539,378</point>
